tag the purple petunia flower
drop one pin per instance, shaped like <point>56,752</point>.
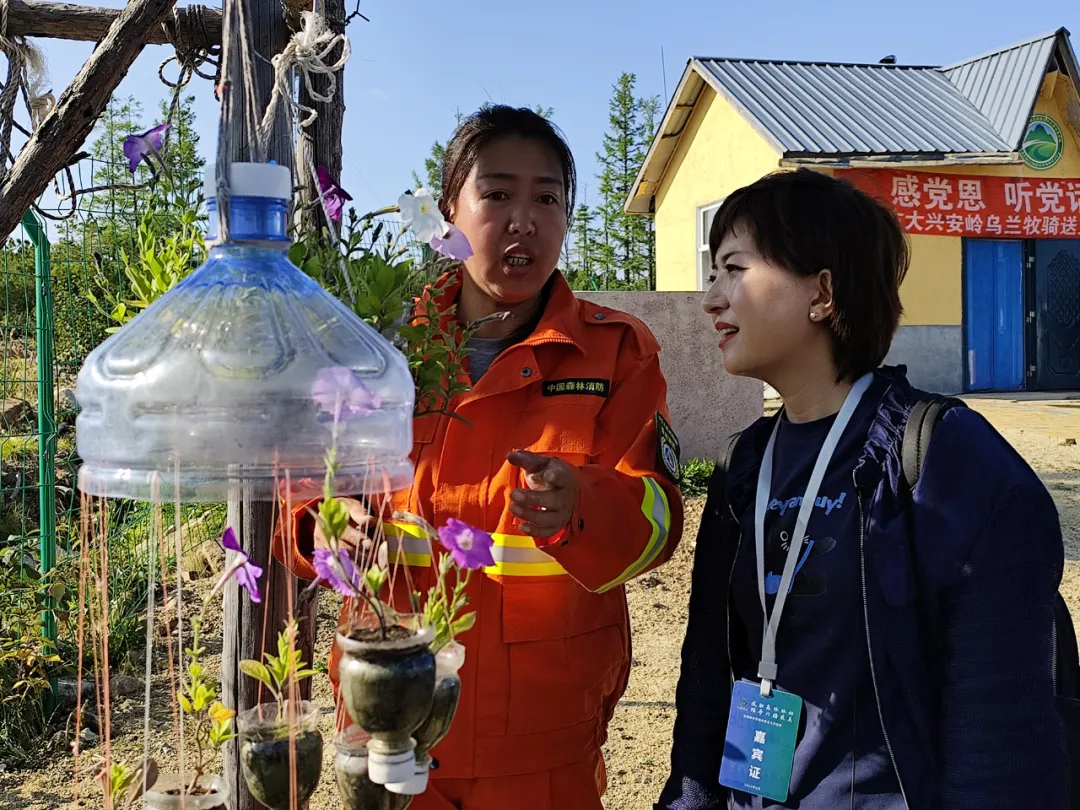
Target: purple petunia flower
<point>470,547</point>
<point>246,572</point>
<point>333,194</point>
<point>337,570</point>
<point>453,244</point>
<point>138,148</point>
<point>341,394</point>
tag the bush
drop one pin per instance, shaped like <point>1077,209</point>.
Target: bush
<point>27,661</point>
<point>695,477</point>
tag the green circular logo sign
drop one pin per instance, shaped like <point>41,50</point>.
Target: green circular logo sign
<point>1043,143</point>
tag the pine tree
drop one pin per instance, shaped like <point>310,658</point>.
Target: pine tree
<point>644,226</point>
<point>121,118</point>
<point>624,251</point>
<point>580,272</point>
<point>615,159</point>
<point>106,228</point>
<point>181,155</point>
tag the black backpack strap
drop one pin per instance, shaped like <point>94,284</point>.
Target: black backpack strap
<point>917,432</point>
<point>718,479</point>
<point>733,439</point>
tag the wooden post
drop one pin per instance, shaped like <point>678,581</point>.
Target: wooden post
<point>65,129</point>
<point>249,628</point>
<point>322,140</point>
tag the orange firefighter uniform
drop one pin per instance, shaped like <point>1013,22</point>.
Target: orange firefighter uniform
<point>549,655</point>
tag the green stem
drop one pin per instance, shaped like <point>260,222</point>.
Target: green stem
<point>200,764</point>
<point>328,492</point>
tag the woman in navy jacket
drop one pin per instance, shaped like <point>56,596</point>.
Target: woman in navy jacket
<point>910,662</point>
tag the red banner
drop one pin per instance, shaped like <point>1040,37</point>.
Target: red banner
<point>968,205</point>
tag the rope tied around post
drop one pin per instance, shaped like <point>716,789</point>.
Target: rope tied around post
<point>193,47</point>
<point>308,51</point>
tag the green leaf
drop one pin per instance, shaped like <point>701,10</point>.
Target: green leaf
<point>464,623</point>
<point>257,671</point>
<point>445,563</point>
<point>204,697</point>
<point>382,279</point>
<point>279,670</point>
<point>335,516</point>
<point>185,704</point>
<point>313,267</point>
<point>375,578</point>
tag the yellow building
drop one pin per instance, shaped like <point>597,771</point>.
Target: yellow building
<point>981,160</point>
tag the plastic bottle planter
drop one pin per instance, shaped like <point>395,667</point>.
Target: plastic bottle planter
<point>265,740</point>
<point>355,787</point>
<point>165,794</point>
<point>210,388</point>
<point>387,686</point>
<point>448,662</point>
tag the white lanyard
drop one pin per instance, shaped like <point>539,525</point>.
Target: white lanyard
<point>767,666</point>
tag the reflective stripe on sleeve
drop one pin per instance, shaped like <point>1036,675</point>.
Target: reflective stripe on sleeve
<point>657,511</point>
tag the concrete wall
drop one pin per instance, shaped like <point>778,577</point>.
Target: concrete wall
<point>707,405</point>
<point>933,355</point>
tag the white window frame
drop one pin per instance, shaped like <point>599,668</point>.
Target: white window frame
<point>703,218</point>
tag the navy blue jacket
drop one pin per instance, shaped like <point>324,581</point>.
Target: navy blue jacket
<point>958,608</point>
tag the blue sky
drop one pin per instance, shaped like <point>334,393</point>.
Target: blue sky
<point>418,61</point>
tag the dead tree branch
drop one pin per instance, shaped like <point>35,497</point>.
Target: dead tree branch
<point>65,129</point>
<point>32,18</point>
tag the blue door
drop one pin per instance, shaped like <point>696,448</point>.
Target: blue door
<point>994,314</point>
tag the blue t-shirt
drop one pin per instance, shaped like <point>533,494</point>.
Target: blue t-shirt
<point>841,760</point>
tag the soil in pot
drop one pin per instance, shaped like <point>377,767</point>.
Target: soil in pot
<point>368,635</point>
<point>265,755</point>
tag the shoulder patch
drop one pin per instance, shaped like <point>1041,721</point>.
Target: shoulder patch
<point>593,386</point>
<point>667,448</point>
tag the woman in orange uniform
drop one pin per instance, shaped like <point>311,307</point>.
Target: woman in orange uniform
<point>563,453</point>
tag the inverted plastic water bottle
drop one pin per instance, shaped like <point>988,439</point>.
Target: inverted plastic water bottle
<point>244,373</point>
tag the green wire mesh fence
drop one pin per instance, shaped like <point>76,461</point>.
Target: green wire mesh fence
<point>50,324</point>
<point>59,277</point>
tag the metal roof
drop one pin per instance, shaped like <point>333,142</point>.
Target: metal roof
<point>1004,84</point>
<point>975,110</point>
<point>829,109</point>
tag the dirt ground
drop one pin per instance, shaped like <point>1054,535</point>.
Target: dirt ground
<point>1046,434</point>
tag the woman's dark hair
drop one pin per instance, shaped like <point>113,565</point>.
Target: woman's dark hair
<point>494,122</point>
<point>805,222</point>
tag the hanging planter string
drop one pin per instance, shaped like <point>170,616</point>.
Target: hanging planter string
<point>192,48</point>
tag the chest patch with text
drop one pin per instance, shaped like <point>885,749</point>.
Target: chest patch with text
<point>577,385</point>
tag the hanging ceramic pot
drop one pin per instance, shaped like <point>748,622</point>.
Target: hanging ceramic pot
<point>387,685</point>
<point>266,742</point>
<point>448,662</point>
<point>355,787</point>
